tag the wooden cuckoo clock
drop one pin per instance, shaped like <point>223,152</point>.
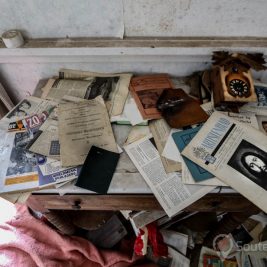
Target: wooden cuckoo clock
<point>231,78</point>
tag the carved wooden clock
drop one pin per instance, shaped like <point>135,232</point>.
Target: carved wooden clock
<point>231,78</point>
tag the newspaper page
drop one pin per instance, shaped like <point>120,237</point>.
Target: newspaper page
<point>61,87</point>
<point>114,87</point>
<point>82,125</point>
<point>235,153</point>
<point>160,131</point>
<point>247,118</point>
<point>208,108</point>
<point>46,142</point>
<point>18,166</point>
<point>259,107</point>
<point>169,190</point>
<point>30,106</point>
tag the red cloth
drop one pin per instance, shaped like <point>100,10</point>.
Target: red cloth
<point>27,241</point>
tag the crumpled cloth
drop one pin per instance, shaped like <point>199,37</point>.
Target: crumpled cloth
<point>27,241</point>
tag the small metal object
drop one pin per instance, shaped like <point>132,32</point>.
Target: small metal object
<point>170,103</point>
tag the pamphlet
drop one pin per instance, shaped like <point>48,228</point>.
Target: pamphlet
<point>235,153</point>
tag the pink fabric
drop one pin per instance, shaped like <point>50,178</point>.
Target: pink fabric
<point>27,241</point>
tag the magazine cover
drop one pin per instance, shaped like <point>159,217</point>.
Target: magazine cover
<point>146,91</point>
<point>20,170</point>
<point>51,172</point>
<point>235,153</point>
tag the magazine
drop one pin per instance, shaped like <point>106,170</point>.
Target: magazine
<point>146,91</point>
<point>51,172</point>
<point>235,153</point>
<point>18,166</point>
<point>30,106</point>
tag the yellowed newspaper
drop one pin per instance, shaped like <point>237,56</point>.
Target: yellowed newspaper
<point>82,125</point>
<point>47,140</point>
<point>61,88</point>
<point>114,87</point>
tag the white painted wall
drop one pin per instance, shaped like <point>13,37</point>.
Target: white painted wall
<point>109,18</point>
<point>61,18</point>
<point>195,18</point>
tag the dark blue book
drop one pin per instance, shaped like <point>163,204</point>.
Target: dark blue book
<point>182,139</point>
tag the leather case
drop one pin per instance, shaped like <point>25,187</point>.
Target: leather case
<point>179,109</point>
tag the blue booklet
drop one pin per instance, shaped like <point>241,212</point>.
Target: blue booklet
<point>181,140</point>
<point>51,172</point>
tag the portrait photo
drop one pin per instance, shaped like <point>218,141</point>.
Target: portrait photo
<point>261,92</point>
<point>103,86</point>
<point>22,110</point>
<point>251,161</point>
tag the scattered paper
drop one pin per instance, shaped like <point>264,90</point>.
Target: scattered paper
<point>132,112</point>
<point>82,125</point>
<point>235,153</point>
<point>170,150</point>
<point>259,107</point>
<point>176,240</point>
<point>247,118</point>
<point>51,172</point>
<point>188,179</point>
<point>144,217</point>
<point>30,106</point>
<point>178,260</point>
<point>18,166</point>
<point>61,87</point>
<point>160,131</point>
<point>169,190</point>
<point>136,133</point>
<point>112,87</point>
<point>46,142</point>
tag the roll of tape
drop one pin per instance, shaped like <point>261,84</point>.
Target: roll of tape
<point>12,39</point>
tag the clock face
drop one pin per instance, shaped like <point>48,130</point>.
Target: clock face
<point>238,87</point>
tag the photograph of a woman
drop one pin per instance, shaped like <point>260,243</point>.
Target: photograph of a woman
<point>251,161</point>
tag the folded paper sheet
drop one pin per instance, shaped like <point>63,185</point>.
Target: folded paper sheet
<point>82,125</point>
